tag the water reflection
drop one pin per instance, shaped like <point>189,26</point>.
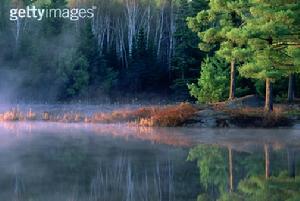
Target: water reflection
<point>84,164</point>
<point>267,173</point>
<point>78,162</point>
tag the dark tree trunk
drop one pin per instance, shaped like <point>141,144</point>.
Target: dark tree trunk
<point>291,91</point>
<point>291,162</point>
<point>269,96</point>
<point>267,161</point>
<point>232,80</point>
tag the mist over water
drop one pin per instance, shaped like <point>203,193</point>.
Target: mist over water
<point>117,162</point>
<point>57,75</point>
<point>10,85</point>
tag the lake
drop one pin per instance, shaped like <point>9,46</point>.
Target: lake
<point>42,161</point>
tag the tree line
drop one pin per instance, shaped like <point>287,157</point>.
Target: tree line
<point>151,46</point>
<point>129,47</point>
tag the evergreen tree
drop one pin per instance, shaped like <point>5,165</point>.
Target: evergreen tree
<point>272,31</point>
<point>213,168</point>
<point>219,28</point>
<point>140,74</point>
<point>53,26</point>
<point>88,48</point>
<point>212,85</point>
<point>4,6</point>
<point>78,79</point>
<point>187,56</point>
<point>276,188</point>
<point>101,77</point>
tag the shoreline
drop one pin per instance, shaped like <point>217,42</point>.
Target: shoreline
<point>175,115</point>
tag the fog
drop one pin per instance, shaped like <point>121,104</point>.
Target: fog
<point>185,137</point>
<point>99,60</point>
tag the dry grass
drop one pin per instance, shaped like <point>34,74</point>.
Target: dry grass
<point>167,116</point>
<point>123,115</point>
<point>170,116</point>
<point>12,115</point>
<point>16,115</point>
<point>31,115</point>
<point>174,115</point>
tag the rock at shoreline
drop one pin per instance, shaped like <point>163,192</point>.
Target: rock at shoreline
<point>209,118</point>
<point>242,112</point>
<point>252,101</point>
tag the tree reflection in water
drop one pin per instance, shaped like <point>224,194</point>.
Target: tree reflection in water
<point>81,166</point>
<point>267,173</point>
<point>78,162</point>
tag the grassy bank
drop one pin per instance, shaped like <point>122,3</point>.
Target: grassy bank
<point>170,115</point>
<point>183,114</point>
<point>257,117</point>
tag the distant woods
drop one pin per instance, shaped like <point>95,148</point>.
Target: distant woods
<point>137,47</point>
<point>131,47</point>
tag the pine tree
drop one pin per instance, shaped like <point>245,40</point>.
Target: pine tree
<point>101,76</point>
<point>4,6</point>
<point>78,77</point>
<point>139,76</point>
<point>187,56</point>
<point>211,86</point>
<point>219,29</point>
<point>272,30</point>
<point>89,49</point>
<point>53,26</point>
<point>212,164</point>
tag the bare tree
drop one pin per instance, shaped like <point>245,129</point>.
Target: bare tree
<point>131,14</point>
<point>171,36</point>
<point>159,31</point>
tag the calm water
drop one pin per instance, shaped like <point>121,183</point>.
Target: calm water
<point>78,162</point>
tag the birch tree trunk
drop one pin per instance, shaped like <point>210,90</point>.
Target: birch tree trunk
<point>160,31</point>
<point>17,34</point>
<point>148,25</point>
<point>107,29</point>
<point>120,44</point>
<point>131,14</point>
<point>171,38</point>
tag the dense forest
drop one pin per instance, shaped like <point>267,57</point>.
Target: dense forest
<point>210,49</point>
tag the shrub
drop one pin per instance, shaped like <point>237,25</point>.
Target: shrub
<point>170,116</point>
<point>213,84</point>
